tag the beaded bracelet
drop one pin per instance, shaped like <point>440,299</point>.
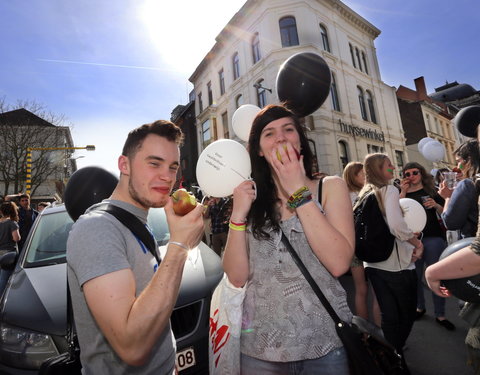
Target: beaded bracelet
<point>299,198</point>
<point>238,227</point>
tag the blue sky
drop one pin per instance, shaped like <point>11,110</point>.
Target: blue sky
<point>110,66</point>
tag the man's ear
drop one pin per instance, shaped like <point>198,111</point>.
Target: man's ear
<point>124,165</point>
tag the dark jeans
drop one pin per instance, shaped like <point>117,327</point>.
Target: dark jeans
<point>397,297</point>
<point>432,249</point>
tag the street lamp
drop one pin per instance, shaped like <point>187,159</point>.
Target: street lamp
<point>28,181</point>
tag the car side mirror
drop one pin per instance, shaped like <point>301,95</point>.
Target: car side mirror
<point>7,261</point>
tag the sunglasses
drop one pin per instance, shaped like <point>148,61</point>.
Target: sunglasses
<point>414,173</point>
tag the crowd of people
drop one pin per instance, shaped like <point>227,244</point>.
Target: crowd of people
<point>122,298</point>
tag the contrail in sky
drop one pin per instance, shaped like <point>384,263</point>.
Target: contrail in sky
<point>100,64</point>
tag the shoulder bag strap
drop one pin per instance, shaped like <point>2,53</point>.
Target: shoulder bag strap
<point>311,281</point>
<point>136,227</point>
<point>319,194</point>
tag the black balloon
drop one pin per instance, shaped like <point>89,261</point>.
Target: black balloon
<point>466,288</point>
<point>87,186</point>
<point>467,120</point>
<point>303,82</point>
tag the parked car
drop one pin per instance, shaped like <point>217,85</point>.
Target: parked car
<point>33,307</point>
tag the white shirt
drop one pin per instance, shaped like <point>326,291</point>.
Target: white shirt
<point>401,257</point>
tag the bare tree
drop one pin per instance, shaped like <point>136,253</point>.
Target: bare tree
<point>19,130</point>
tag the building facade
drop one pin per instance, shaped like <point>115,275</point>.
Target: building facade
<point>20,130</point>
<point>422,117</point>
<point>360,115</point>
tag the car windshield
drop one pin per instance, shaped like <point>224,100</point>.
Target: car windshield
<point>49,239</point>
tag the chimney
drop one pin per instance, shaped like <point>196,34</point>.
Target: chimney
<point>421,88</point>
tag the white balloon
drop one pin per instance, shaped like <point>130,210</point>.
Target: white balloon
<point>221,167</point>
<point>242,120</point>
<point>414,214</point>
<point>423,142</point>
<point>433,151</point>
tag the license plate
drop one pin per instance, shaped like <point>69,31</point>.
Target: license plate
<point>185,359</point>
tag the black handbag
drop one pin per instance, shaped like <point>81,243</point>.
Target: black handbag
<point>68,362</point>
<point>367,351</point>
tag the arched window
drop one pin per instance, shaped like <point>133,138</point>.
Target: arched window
<point>371,107</point>
<point>361,101</point>
<point>343,151</point>
<point>256,48</point>
<point>288,31</point>
<point>261,94</point>
<point>325,43</point>
<point>334,94</point>
<point>236,66</point>
<point>238,100</point>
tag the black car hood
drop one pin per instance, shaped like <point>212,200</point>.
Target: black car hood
<point>36,299</point>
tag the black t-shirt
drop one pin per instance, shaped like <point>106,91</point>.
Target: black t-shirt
<point>432,228</point>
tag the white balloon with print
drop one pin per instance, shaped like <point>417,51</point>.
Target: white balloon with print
<point>433,151</point>
<point>242,120</point>
<point>414,214</point>
<point>423,142</point>
<point>221,167</point>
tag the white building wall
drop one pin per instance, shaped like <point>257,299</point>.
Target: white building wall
<point>344,27</point>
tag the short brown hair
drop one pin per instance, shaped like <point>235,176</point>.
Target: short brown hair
<point>163,128</point>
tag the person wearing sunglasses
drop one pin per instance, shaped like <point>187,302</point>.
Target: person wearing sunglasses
<point>418,185</point>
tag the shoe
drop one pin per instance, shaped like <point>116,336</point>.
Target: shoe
<point>420,313</point>
<point>445,323</point>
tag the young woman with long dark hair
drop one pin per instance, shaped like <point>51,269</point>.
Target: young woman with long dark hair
<point>286,328</point>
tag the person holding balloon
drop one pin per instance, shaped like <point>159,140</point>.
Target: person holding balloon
<point>394,280</point>
<point>461,208</point>
<point>418,185</point>
<point>284,323</point>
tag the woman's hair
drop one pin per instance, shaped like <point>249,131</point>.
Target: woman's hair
<point>264,209</point>
<point>427,178</point>
<point>469,152</point>
<point>374,178</point>
<point>9,209</point>
<point>350,173</point>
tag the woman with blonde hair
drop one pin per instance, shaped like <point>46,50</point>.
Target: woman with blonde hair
<point>354,176</point>
<point>394,280</point>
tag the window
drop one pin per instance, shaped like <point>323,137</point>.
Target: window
<point>288,31</point>
<point>210,93</point>
<point>334,94</point>
<point>373,149</point>
<point>261,95</point>
<point>357,53</point>
<point>206,135</point>
<point>371,107</point>
<point>238,100</point>
<point>226,134</point>
<point>256,48</point>
<point>364,59</point>
<point>236,66</point>
<point>352,55</point>
<point>325,43</point>
<point>200,103</point>
<point>221,79</point>
<point>427,116</point>
<point>343,151</point>
<point>399,158</point>
<point>361,101</point>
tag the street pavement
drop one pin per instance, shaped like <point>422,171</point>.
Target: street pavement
<point>430,348</point>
